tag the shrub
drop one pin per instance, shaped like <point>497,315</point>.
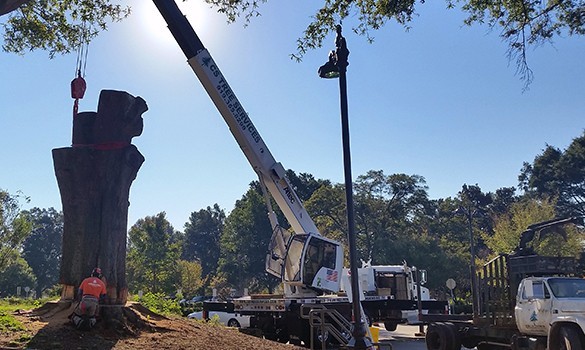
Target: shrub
<point>159,303</point>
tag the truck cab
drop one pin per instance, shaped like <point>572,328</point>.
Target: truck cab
<point>395,281</point>
<point>546,302</point>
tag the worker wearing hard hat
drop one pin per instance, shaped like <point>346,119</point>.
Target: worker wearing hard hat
<point>91,292</point>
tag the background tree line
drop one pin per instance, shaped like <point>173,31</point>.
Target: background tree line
<point>395,221</point>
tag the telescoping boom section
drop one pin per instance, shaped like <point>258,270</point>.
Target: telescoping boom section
<point>303,258</point>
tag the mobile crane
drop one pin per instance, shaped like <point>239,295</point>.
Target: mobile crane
<point>286,259</point>
<point>524,302</point>
<point>309,265</point>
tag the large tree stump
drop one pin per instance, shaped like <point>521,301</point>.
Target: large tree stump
<point>94,177</point>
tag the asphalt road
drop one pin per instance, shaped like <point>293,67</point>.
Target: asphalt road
<point>404,338</point>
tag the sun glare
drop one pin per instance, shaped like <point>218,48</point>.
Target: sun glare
<point>152,23</point>
<point>198,13</point>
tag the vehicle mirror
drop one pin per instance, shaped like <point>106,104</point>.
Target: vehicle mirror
<point>423,276</point>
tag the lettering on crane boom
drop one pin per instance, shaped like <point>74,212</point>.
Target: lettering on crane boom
<point>289,194</point>
<point>234,105</point>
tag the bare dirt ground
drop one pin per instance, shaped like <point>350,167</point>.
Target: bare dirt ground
<point>49,328</point>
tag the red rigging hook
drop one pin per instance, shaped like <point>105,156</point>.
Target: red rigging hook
<point>78,87</point>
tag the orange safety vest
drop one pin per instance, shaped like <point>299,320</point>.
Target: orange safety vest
<point>93,286</point>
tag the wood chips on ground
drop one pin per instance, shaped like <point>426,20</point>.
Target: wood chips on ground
<point>49,327</point>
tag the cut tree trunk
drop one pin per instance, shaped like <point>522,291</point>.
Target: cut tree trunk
<point>94,177</point>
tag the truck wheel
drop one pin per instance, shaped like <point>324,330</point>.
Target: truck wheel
<point>282,336</point>
<point>439,337</point>
<point>455,337</point>
<point>390,326</point>
<point>469,343</point>
<point>233,323</point>
<point>570,339</point>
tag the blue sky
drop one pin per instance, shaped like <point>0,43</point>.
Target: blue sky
<point>441,101</point>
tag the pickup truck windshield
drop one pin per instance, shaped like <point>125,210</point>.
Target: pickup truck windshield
<point>567,287</point>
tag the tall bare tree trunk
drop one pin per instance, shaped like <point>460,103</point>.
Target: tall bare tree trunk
<point>94,177</point>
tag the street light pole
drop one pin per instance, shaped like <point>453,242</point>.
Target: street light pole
<point>337,67</point>
<point>469,212</point>
<point>474,295</point>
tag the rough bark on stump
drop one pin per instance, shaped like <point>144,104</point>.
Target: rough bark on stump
<point>94,178</point>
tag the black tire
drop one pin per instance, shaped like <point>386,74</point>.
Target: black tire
<point>570,339</point>
<point>454,334</point>
<point>282,335</point>
<point>390,326</point>
<point>439,336</point>
<point>233,323</point>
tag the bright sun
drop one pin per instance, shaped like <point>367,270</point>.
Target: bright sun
<point>197,12</point>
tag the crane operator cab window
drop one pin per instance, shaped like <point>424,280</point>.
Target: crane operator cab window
<point>320,266</point>
<point>318,262</point>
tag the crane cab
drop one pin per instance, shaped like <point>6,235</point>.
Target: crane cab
<point>313,261</point>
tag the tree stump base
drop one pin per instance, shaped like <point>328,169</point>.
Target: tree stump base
<point>123,320</point>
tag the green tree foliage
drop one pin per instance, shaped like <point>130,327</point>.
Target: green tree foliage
<point>523,23</point>
<point>42,249</point>
<point>55,25</point>
<point>16,274</point>
<point>474,210</point>
<point>449,233</point>
<point>392,217</point>
<point>58,26</point>
<point>502,200</point>
<point>158,303</point>
<point>202,234</point>
<point>328,210</point>
<point>191,282</point>
<point>385,211</point>
<point>246,236</point>
<point>560,174</point>
<point>14,227</point>
<point>520,23</point>
<point>305,184</point>
<point>244,244</point>
<point>449,227</point>
<point>154,247</point>
<point>509,227</point>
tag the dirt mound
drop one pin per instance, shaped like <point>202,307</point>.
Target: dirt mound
<point>132,327</point>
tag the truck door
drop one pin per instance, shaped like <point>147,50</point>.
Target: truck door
<point>533,305</point>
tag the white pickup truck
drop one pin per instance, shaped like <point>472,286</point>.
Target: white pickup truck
<point>552,307</point>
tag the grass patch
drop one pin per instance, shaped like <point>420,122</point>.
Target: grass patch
<point>9,323</point>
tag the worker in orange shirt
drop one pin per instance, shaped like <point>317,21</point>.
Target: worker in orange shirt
<point>91,292</point>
